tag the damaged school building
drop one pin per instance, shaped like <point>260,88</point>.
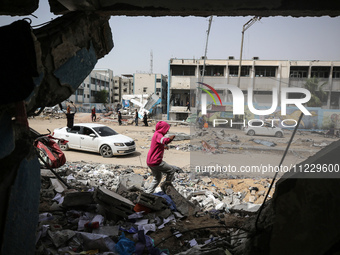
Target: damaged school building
<point>50,62</point>
<point>260,75</point>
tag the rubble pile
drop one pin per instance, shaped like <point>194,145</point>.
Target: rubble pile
<point>107,212</point>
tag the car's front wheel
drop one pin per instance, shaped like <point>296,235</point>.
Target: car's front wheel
<point>279,134</point>
<point>251,132</point>
<point>106,151</point>
<point>63,147</point>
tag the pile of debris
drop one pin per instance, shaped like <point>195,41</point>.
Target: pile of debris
<point>107,212</point>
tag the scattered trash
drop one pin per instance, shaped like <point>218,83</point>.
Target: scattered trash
<point>110,213</point>
<point>263,142</point>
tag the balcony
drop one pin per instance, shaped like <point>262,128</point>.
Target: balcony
<point>178,109</point>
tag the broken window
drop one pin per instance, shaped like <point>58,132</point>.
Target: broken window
<point>245,71</point>
<point>265,71</point>
<point>299,71</point>
<point>212,70</point>
<point>336,72</point>
<point>320,71</point>
<point>182,70</point>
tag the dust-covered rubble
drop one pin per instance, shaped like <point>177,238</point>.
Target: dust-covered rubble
<point>107,212</point>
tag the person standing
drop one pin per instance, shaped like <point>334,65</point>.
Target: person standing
<point>145,119</point>
<point>119,118</point>
<point>188,106</point>
<point>70,116</point>
<point>93,114</point>
<point>136,117</point>
<point>154,160</point>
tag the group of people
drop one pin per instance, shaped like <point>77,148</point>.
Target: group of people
<point>145,118</point>
<point>159,143</point>
<point>70,116</point>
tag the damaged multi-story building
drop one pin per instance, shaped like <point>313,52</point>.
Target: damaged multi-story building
<point>51,62</point>
<point>261,75</point>
<point>97,80</point>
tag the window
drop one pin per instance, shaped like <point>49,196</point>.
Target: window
<point>212,70</point>
<point>74,130</point>
<point>320,71</point>
<point>80,91</point>
<point>125,90</point>
<point>105,131</point>
<point>145,89</point>
<point>256,123</point>
<point>88,96</point>
<point>88,85</point>
<point>245,71</point>
<point>116,81</point>
<point>265,71</point>
<point>158,89</point>
<point>183,70</point>
<point>87,131</point>
<point>158,80</point>
<point>299,71</point>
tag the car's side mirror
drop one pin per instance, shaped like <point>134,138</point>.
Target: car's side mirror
<point>93,135</point>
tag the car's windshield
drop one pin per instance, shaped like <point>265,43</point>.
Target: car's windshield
<point>105,131</point>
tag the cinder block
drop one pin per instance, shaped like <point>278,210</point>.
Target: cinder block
<point>78,199</point>
<point>184,206</point>
<point>153,202</point>
<point>114,203</point>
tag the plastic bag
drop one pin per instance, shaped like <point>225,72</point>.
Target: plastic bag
<point>125,246</point>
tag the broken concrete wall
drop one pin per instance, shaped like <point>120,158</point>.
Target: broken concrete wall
<point>67,50</point>
<point>179,8</point>
<point>199,8</point>
<point>19,185</point>
<point>304,212</point>
<point>70,47</point>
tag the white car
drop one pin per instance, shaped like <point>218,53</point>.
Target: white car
<point>96,138</point>
<point>263,128</point>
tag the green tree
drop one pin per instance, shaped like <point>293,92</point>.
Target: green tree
<point>317,92</point>
<point>102,96</point>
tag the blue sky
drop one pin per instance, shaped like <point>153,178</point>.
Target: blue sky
<point>271,38</point>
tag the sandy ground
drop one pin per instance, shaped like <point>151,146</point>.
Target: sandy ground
<point>232,157</point>
<point>301,148</point>
<point>140,134</point>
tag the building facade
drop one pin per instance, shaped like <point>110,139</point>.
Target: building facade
<point>97,80</point>
<point>260,75</point>
<point>145,83</point>
<point>123,85</point>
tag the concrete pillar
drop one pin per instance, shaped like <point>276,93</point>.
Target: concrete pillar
<point>330,82</point>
